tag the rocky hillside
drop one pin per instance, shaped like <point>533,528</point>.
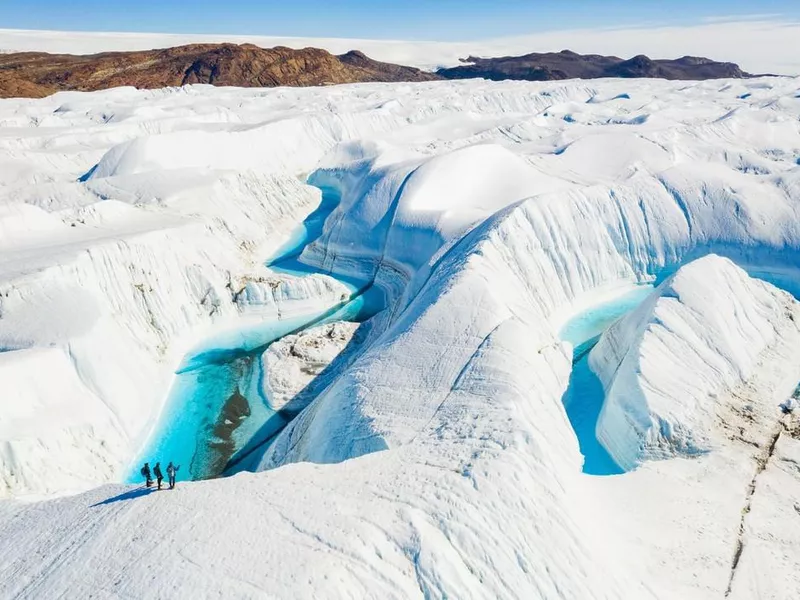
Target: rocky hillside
<point>570,65</point>
<point>34,74</point>
<point>37,74</point>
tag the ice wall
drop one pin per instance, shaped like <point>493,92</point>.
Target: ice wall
<point>530,258</point>
<point>666,367</point>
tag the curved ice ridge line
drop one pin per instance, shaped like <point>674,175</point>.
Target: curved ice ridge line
<point>636,246</point>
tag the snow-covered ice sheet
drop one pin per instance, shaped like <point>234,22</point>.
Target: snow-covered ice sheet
<point>134,231</point>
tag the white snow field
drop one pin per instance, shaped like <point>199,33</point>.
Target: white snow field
<point>483,234</point>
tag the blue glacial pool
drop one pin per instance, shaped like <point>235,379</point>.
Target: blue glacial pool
<point>215,404</point>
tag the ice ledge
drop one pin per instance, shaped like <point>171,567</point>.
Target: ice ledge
<point>666,365</point>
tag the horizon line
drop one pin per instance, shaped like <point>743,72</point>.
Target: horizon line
<point>718,21</point>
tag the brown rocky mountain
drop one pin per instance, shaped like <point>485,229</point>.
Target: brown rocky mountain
<point>37,74</point>
<point>569,65</point>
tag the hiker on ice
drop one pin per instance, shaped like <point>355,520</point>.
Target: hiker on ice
<point>148,480</point>
<point>159,475</point>
<point>171,470</point>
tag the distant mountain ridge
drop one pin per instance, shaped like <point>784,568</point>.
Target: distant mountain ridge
<point>38,74</point>
<point>570,65</point>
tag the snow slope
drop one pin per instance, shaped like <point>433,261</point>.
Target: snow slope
<point>293,362</point>
<point>665,366</point>
<point>435,459</point>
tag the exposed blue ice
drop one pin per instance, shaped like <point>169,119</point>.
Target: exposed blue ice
<point>309,230</point>
<point>584,396</point>
<point>786,279</point>
<point>583,330</point>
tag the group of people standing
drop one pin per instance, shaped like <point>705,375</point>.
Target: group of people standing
<point>148,476</point>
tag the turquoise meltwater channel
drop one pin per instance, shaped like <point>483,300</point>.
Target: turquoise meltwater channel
<point>584,396</point>
<point>215,406</point>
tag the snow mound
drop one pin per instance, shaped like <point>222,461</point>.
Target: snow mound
<point>56,434</point>
<point>614,156</point>
<point>291,363</point>
<point>667,366</point>
<point>397,218</point>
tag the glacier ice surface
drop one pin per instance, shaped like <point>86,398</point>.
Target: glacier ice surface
<point>438,457</point>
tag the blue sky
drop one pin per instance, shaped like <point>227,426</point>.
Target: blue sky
<point>409,19</point>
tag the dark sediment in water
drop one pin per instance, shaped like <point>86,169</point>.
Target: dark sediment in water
<point>221,446</point>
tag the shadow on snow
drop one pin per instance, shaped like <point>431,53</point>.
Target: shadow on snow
<point>129,495</point>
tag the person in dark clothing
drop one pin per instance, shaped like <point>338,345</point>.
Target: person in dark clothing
<point>159,475</point>
<point>171,470</point>
<point>148,480</point>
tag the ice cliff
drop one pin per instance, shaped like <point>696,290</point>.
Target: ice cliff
<point>668,365</point>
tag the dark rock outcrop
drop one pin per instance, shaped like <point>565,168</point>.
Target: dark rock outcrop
<point>37,74</point>
<point>570,65</point>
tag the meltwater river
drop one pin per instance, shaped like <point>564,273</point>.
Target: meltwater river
<point>215,406</point>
